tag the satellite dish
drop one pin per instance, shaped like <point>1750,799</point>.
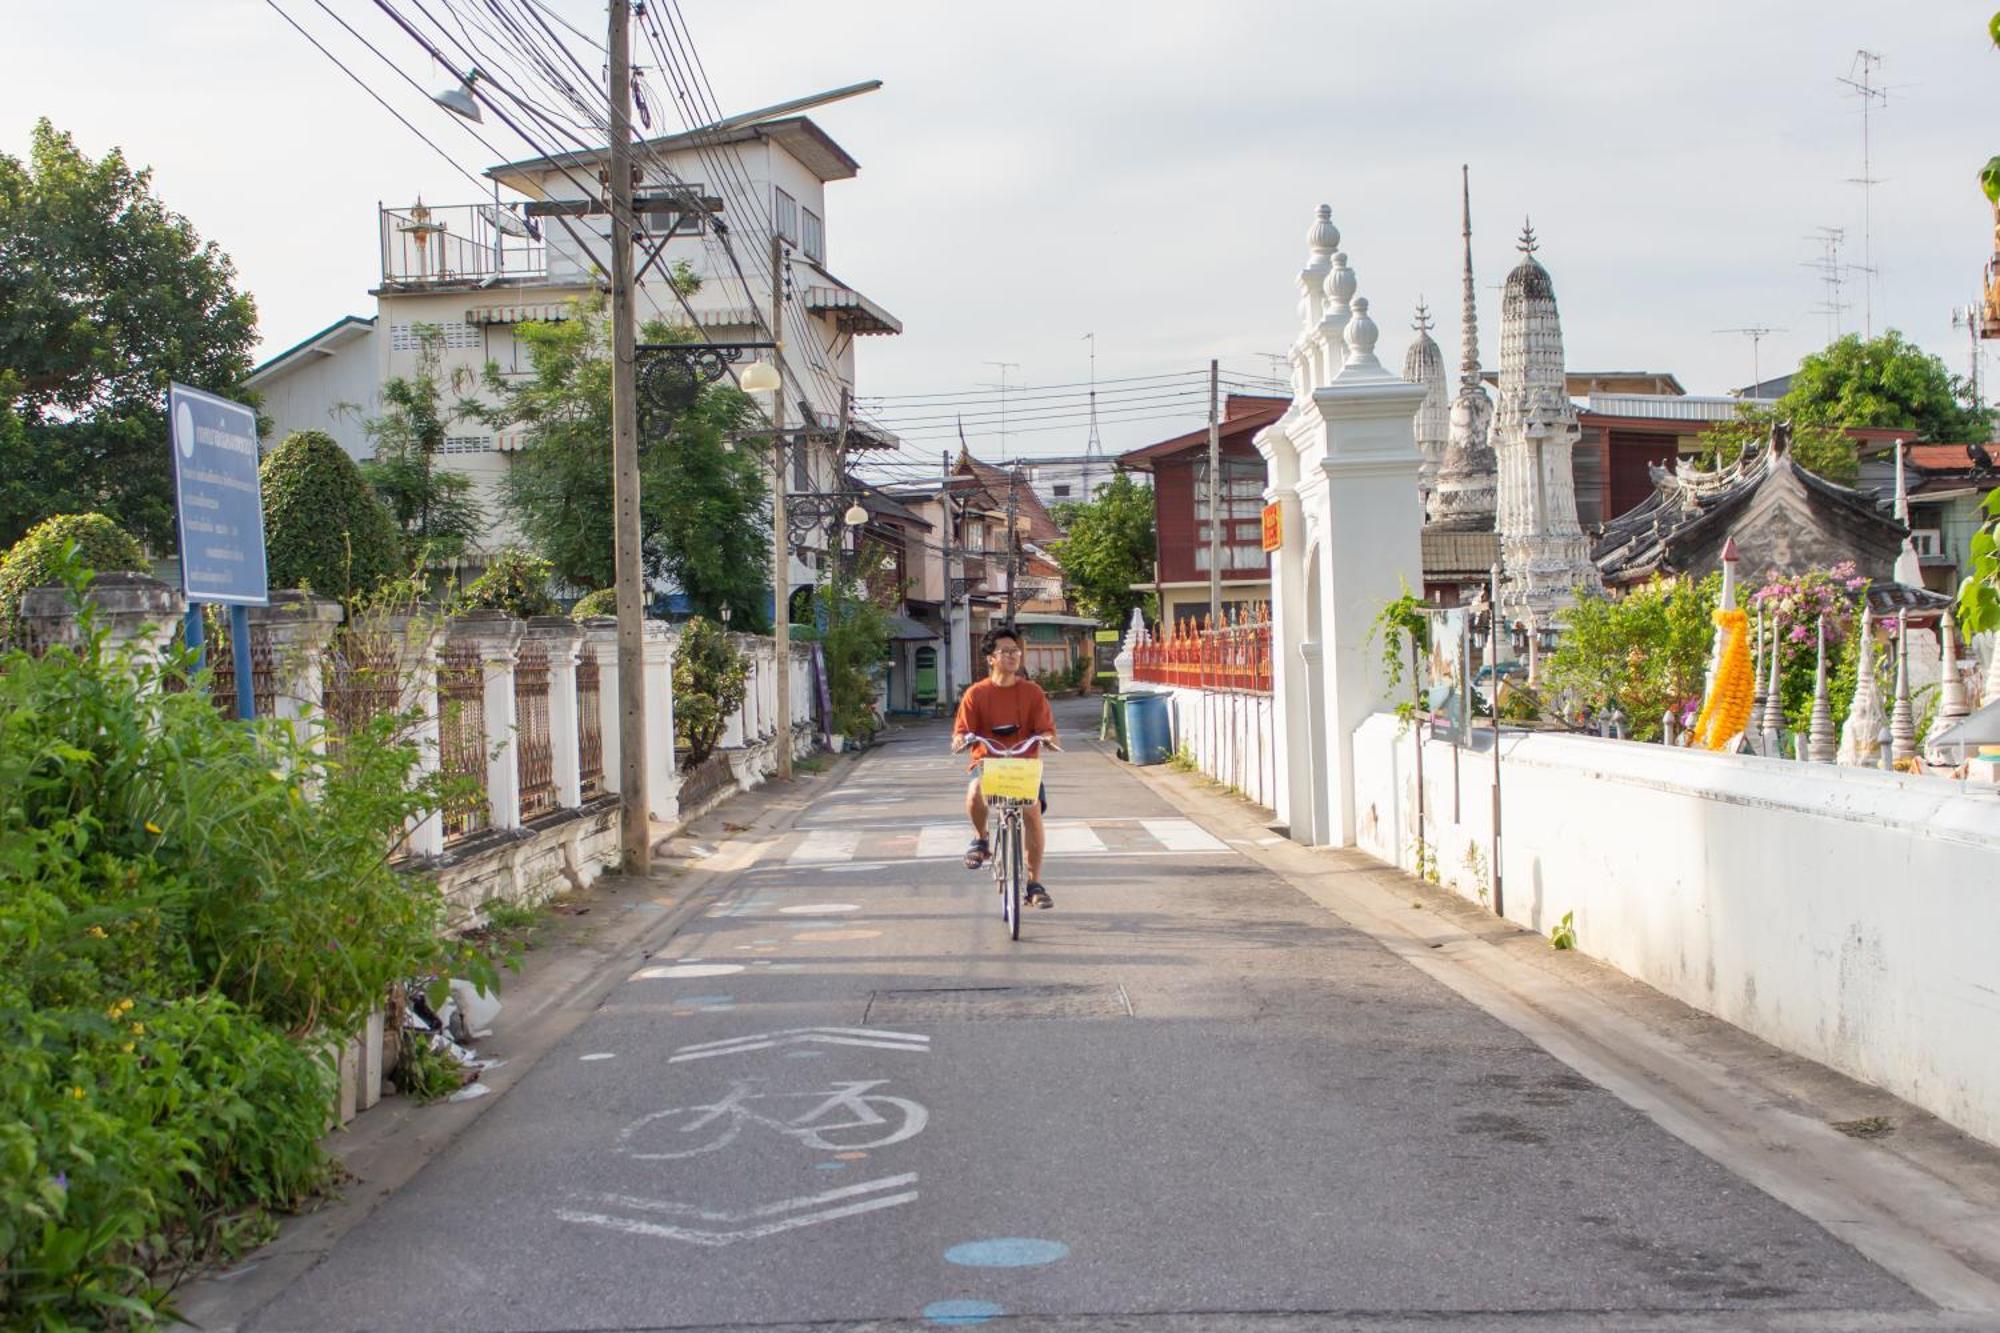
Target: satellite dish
<point>510,223</point>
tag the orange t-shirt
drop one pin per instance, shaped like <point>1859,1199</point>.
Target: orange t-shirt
<point>986,706</point>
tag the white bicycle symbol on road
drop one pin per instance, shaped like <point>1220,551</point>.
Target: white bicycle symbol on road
<point>847,1117</point>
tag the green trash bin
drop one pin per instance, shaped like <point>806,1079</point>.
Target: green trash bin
<point>1113,721</point>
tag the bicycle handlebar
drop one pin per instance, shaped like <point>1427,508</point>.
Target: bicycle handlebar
<point>996,750</point>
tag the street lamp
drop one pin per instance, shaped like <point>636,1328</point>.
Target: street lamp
<point>460,101</point>
<point>762,378</point>
<point>723,610</point>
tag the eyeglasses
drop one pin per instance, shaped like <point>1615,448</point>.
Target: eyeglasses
<point>1006,652</point>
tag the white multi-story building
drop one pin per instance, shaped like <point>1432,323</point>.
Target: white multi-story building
<point>476,272</point>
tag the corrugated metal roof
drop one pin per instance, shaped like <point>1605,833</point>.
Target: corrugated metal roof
<point>1661,407</point>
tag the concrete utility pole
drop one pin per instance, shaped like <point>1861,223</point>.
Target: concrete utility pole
<point>1214,495</point>
<point>781,545</point>
<point>1013,544</point>
<point>636,836</point>
<point>950,602</point>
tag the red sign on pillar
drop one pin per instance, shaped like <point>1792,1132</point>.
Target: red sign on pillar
<point>1274,527</point>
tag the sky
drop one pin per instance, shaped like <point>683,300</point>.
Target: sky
<point>1034,172</point>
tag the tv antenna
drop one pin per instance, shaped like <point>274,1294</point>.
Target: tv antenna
<point>1756,333</point>
<point>1861,80</point>
<point>1969,318</point>
<point>1833,273</point>
<point>1004,367</point>
<point>1093,446</point>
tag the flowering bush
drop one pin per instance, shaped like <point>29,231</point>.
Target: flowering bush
<point>1793,609</point>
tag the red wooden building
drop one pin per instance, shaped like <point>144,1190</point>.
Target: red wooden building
<point>1179,469</point>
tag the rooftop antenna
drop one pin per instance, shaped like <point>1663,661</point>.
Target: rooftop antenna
<point>1004,366</point>
<point>1756,333</point>
<point>1969,317</point>
<point>1864,65</point>
<point>1093,446</point>
<point>1831,272</point>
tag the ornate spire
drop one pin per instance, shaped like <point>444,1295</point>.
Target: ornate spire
<point>1952,707</point>
<point>1362,335</point>
<point>1423,364</point>
<point>1464,498</point>
<point>1468,361</point>
<point>1527,245</point>
<point>1774,698</point>
<point>1820,745</point>
<point>1860,735</point>
<point>1903,717</point>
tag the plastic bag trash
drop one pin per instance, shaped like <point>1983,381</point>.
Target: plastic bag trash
<point>468,1092</point>
<point>475,1009</point>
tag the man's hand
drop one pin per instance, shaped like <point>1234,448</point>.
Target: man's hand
<point>959,741</point>
<point>1048,738</point>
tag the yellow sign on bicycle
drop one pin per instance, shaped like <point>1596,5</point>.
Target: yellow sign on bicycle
<point>1011,779</point>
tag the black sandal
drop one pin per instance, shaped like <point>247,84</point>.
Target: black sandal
<point>976,854</point>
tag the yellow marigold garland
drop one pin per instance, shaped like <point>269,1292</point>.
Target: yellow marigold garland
<point>1731,695</point>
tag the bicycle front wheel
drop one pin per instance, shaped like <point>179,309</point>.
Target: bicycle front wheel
<point>1017,878</point>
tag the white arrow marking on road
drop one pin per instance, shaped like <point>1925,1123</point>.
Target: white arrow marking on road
<point>764,1041</point>
<point>785,1214</point>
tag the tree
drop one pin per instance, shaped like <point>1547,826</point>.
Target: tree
<point>1886,381</point>
<point>433,506</point>
<point>710,677</point>
<point>323,528</point>
<point>702,502</point>
<point>1109,546</point>
<point>40,557</point>
<point>854,639</point>
<point>105,296</point>
<point>1644,651</point>
<point>514,581</point>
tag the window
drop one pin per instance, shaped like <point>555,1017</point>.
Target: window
<point>1929,541</point>
<point>1242,509</point>
<point>787,211</point>
<point>814,241</point>
<point>452,333</point>
<point>1060,490</point>
<point>468,444</point>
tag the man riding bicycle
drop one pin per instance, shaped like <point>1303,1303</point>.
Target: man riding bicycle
<point>1005,704</point>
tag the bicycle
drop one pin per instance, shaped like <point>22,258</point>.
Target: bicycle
<point>1010,784</point>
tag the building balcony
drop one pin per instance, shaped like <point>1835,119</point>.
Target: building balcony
<point>461,245</point>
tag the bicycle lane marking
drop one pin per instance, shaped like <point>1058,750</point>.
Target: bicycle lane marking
<point>841,1121</point>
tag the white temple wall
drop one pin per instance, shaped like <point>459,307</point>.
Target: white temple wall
<point>1844,915</point>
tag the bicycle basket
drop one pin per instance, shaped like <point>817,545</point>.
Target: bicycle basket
<point>1011,779</point>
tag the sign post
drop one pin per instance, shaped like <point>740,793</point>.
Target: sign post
<point>219,514</point>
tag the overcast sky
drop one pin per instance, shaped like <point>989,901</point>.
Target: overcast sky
<point>1032,172</point>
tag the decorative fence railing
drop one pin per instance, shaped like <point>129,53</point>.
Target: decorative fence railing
<point>590,722</point>
<point>462,737</point>
<point>534,743</point>
<point>1234,656</point>
<point>360,680</point>
<point>221,659</point>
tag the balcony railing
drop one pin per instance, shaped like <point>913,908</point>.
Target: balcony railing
<point>1234,656</point>
<point>460,243</point>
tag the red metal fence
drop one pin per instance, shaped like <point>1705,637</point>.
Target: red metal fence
<point>1235,655</point>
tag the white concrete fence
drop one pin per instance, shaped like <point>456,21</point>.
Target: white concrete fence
<point>1846,915</point>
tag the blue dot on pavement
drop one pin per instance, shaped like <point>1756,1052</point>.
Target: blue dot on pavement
<point>1011,1252</point>
<point>948,1314</point>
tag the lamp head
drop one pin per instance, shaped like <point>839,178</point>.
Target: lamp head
<point>460,101</point>
<point>762,378</point>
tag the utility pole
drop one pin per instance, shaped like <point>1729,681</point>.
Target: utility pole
<point>781,545</point>
<point>1013,543</point>
<point>1214,496</point>
<point>1967,317</point>
<point>636,836</point>
<point>950,538</point>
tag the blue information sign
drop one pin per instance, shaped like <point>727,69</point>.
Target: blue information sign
<point>217,499</point>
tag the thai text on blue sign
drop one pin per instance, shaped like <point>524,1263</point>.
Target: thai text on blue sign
<point>217,501</point>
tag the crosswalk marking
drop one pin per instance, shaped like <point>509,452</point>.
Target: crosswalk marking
<point>823,845</point>
<point>937,842</point>
<point>1183,835</point>
<point>1072,839</point>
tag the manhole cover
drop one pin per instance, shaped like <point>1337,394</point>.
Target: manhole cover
<point>967,1003</point>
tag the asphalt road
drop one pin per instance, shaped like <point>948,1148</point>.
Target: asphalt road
<point>1188,1098</point>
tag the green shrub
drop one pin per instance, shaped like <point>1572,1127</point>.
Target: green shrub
<point>38,558</point>
<point>854,637</point>
<point>709,680</point>
<point>190,907</point>
<point>324,529</point>
<point>603,602</point>
<point>514,581</point>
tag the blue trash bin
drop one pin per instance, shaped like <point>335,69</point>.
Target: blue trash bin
<point>1149,730</point>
